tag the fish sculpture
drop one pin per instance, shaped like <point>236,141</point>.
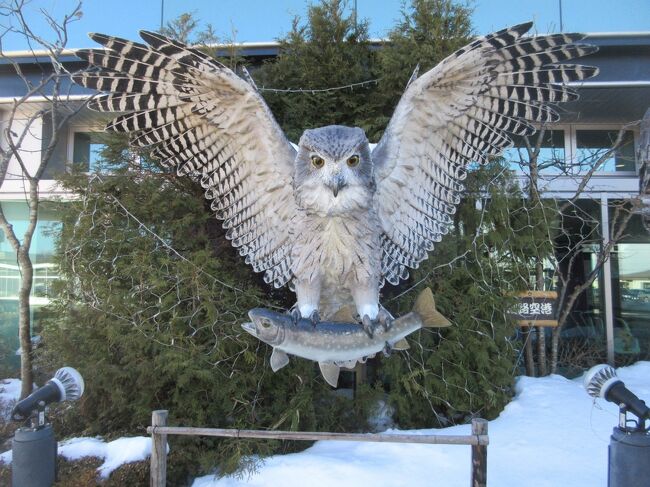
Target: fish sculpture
<point>335,344</point>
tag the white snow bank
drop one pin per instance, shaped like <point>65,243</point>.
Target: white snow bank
<point>551,434</point>
<point>114,453</point>
<point>9,394</point>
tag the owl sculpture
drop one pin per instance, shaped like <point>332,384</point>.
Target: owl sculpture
<point>333,219</point>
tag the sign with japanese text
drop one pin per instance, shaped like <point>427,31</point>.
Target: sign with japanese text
<point>536,308</point>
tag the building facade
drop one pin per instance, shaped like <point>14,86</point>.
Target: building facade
<point>613,315</point>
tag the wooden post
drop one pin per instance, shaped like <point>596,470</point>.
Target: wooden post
<point>158,450</point>
<point>541,351</point>
<point>529,332</point>
<point>479,454</point>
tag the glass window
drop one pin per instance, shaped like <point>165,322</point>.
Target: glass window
<point>42,252</point>
<point>592,145</point>
<point>631,293</point>
<point>87,148</point>
<point>551,152</point>
<point>577,242</point>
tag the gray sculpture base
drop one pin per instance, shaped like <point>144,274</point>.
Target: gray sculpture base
<point>33,461</point>
<point>629,459</point>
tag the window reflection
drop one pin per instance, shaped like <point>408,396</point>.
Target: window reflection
<point>87,149</point>
<point>583,336</point>
<point>592,145</point>
<point>45,272</point>
<point>551,157</point>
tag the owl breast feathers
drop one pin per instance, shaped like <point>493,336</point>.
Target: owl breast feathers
<point>333,217</point>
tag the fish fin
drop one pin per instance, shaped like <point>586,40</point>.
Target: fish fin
<point>330,372</point>
<point>346,314</point>
<point>278,359</point>
<point>347,364</point>
<point>425,306</point>
<point>401,345</point>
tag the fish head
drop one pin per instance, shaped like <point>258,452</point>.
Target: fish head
<point>267,325</point>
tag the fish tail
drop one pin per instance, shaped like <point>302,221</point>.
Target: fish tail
<point>425,306</point>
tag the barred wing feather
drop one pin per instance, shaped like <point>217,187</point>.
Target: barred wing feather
<point>201,119</point>
<point>461,111</point>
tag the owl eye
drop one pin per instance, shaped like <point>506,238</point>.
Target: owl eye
<point>353,161</point>
<point>317,161</point>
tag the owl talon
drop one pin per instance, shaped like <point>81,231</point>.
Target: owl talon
<point>295,315</point>
<point>314,317</point>
<point>368,326</point>
<point>385,319</point>
<point>387,350</point>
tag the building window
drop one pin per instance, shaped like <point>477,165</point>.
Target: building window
<point>87,148</point>
<point>45,273</point>
<point>552,152</point>
<point>630,263</point>
<point>593,145</point>
<point>573,150</point>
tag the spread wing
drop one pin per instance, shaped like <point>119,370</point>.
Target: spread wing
<point>203,120</point>
<point>463,111</point>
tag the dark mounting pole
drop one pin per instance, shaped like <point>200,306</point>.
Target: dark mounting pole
<point>356,25</point>
<point>162,12</point>
<point>561,23</point>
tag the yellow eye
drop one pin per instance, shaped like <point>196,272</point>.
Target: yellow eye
<point>317,161</point>
<point>353,161</point>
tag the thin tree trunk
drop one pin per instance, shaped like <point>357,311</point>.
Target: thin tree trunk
<point>555,344</point>
<point>529,357</point>
<point>541,351</point>
<point>541,333</point>
<point>24,322</point>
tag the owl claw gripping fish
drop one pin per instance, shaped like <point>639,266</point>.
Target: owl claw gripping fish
<point>334,219</point>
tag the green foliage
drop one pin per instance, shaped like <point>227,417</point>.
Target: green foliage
<point>467,369</point>
<point>183,28</point>
<point>154,328</point>
<point>428,31</point>
<point>328,51</point>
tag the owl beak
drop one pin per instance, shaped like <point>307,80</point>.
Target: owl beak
<point>337,184</point>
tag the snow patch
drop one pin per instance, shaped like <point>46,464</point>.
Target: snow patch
<point>9,394</point>
<point>552,433</point>
<point>114,453</point>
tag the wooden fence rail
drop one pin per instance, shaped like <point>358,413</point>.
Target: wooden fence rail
<point>159,430</point>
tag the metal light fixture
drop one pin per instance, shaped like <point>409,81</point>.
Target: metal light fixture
<point>34,448</point>
<point>629,446</point>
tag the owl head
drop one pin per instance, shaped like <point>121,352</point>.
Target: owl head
<point>333,170</point>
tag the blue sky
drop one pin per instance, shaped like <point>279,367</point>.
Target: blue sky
<point>264,20</point>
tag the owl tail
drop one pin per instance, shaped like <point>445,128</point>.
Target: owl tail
<point>425,306</point>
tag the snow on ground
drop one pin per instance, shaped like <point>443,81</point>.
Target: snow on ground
<point>552,433</point>
<point>9,394</point>
<point>114,453</point>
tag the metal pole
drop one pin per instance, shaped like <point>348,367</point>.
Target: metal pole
<point>158,450</point>
<point>561,23</point>
<point>162,11</point>
<point>479,454</point>
<point>607,282</point>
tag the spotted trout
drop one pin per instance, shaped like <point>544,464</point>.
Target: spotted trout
<point>336,344</point>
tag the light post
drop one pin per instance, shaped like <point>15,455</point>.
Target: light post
<point>34,448</point>
<point>629,446</point>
